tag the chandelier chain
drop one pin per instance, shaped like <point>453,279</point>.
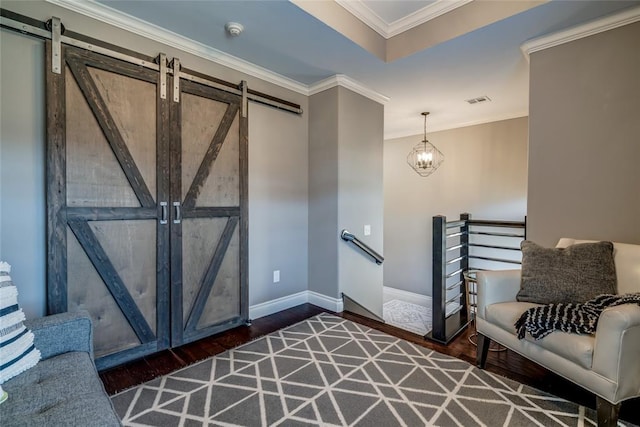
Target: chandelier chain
<point>425,114</point>
<point>425,127</point>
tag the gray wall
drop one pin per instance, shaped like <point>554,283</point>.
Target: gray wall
<point>323,193</point>
<point>345,192</point>
<point>584,175</point>
<point>360,196</point>
<point>22,130</point>
<point>278,204</point>
<point>278,164</point>
<point>484,173</point>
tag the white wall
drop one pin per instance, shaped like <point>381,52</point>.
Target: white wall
<point>278,163</point>
<point>484,173</point>
<point>22,154</point>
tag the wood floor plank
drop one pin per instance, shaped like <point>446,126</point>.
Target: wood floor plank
<point>507,364</point>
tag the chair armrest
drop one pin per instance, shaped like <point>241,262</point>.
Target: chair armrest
<point>617,346</point>
<point>496,286</point>
<point>62,333</point>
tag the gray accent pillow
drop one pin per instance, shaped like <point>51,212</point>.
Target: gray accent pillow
<point>573,274</point>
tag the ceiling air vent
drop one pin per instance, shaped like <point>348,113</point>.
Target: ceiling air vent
<point>479,99</point>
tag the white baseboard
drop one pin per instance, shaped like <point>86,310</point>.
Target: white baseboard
<point>333,304</point>
<point>279,304</point>
<point>389,293</point>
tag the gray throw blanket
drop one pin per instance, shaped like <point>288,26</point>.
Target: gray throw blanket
<point>573,318</point>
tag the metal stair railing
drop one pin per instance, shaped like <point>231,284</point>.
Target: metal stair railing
<point>348,237</point>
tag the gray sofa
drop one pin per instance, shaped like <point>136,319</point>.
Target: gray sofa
<point>63,389</point>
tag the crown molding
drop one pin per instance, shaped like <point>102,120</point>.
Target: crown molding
<point>427,13</point>
<point>349,83</point>
<point>358,9</point>
<point>457,125</point>
<point>145,29</point>
<point>387,30</point>
<point>600,25</point>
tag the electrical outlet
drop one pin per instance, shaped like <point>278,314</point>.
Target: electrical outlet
<point>276,276</point>
<point>367,230</point>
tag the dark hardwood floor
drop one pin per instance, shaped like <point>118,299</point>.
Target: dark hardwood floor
<point>507,363</point>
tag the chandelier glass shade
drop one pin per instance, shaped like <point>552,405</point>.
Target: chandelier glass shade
<point>425,158</point>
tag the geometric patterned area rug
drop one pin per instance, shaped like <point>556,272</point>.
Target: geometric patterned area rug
<point>333,372</point>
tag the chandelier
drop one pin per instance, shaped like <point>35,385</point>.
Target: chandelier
<point>425,158</point>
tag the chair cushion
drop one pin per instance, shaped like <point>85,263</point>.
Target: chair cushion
<point>505,314</point>
<point>573,347</point>
<point>574,274</point>
<point>62,390</point>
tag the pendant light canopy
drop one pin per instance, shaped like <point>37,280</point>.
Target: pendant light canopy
<point>425,158</point>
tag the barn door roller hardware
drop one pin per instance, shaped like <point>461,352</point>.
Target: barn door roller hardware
<point>55,26</point>
<point>245,100</point>
<point>162,61</point>
<point>54,30</point>
<point>175,65</point>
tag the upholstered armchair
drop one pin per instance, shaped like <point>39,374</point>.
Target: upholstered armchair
<point>606,364</point>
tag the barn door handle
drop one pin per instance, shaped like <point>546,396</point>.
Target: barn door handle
<point>178,216</point>
<point>163,218</point>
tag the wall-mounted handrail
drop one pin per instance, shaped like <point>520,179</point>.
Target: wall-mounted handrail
<point>348,237</point>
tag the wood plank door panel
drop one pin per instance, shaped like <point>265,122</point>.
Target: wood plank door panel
<point>209,168</point>
<point>146,205</point>
<point>106,162</point>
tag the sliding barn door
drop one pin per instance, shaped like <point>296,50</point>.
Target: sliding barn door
<point>108,250</point>
<point>209,212</point>
<point>147,204</point>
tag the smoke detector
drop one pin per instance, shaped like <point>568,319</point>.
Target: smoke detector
<point>234,29</point>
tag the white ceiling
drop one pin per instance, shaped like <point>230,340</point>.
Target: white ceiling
<point>281,37</point>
